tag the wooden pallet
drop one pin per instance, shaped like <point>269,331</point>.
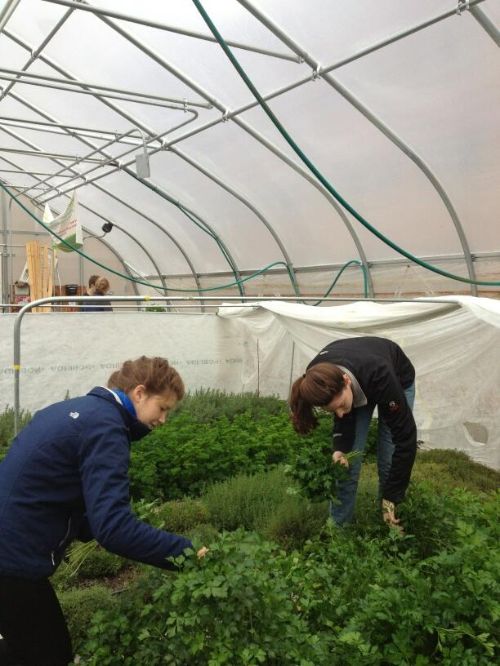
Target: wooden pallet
<point>40,261</point>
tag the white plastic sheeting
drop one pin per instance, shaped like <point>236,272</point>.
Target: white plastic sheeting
<point>453,343</point>
<point>68,354</point>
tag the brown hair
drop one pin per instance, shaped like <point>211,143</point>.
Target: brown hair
<point>155,373</point>
<point>101,285</point>
<point>316,388</point>
<point>92,280</point>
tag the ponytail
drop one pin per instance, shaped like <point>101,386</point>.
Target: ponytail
<point>303,418</point>
<point>316,388</point>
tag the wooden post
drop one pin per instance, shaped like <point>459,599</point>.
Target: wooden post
<point>40,261</point>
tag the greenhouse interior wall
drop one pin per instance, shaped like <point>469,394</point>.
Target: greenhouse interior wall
<point>363,165</point>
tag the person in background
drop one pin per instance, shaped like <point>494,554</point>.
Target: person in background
<point>99,304</point>
<point>348,379</point>
<point>65,477</point>
<point>91,287</point>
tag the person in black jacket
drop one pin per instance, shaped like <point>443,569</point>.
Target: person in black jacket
<point>349,378</point>
<point>65,477</point>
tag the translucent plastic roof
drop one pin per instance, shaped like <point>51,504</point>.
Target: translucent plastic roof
<point>396,104</point>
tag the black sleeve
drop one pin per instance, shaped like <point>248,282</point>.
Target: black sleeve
<point>343,432</point>
<point>396,413</point>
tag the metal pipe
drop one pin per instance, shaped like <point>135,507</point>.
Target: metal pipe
<point>111,160</point>
<point>73,130</point>
<point>19,74</point>
<point>86,159</point>
<point>162,26</point>
<point>34,53</point>
<point>485,23</point>
<point>5,253</point>
<point>136,211</point>
<point>7,10</point>
<point>374,120</point>
<point>256,135</point>
<point>43,153</point>
<point>149,256</point>
<point>249,205</point>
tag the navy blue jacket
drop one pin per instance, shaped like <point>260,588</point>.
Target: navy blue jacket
<point>384,372</point>
<point>65,476</point>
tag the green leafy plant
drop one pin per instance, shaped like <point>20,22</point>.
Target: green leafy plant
<point>7,426</point>
<point>315,472</point>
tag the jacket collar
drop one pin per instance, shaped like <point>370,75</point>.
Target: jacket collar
<point>136,428</point>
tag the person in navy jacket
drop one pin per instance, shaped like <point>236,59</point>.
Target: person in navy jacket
<point>65,477</point>
<point>349,378</point>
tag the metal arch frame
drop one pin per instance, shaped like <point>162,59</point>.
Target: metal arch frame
<point>124,231</point>
<point>246,203</point>
<point>7,11</point>
<point>105,243</point>
<point>158,190</point>
<point>76,130</point>
<point>485,23</point>
<point>374,120</point>
<point>256,135</point>
<point>51,128</point>
<point>112,161</point>
<point>121,260</point>
<point>34,54</point>
<point>166,232</point>
<point>162,26</point>
<point>45,81</point>
<point>179,247</point>
<point>261,139</point>
<point>364,52</point>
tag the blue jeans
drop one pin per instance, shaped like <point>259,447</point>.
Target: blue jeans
<point>343,512</point>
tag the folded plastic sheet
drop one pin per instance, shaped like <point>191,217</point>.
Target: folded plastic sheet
<point>454,344</point>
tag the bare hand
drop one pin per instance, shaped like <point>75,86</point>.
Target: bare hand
<point>202,552</point>
<point>339,457</point>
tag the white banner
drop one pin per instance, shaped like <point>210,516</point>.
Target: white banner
<point>67,226</point>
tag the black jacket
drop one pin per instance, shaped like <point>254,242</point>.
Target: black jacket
<point>383,372</point>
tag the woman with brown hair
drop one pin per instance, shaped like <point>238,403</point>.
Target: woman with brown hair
<point>65,477</point>
<point>348,379</point>
<point>99,304</point>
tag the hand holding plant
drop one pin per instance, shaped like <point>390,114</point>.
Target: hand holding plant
<point>340,457</point>
<point>317,472</point>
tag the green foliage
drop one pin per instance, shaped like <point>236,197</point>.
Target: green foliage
<point>456,469</point>
<point>262,503</point>
<point>87,561</point>
<point>295,521</point>
<point>207,405</point>
<point>316,474</point>
<point>97,563</point>
<point>7,427</point>
<point>233,607</point>
<point>79,605</point>
<point>181,516</point>
<point>184,456</point>
<point>370,452</point>
<point>351,597</point>
<point>246,501</point>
